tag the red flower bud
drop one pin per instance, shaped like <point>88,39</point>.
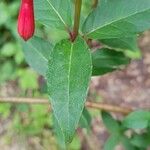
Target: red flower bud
<point>26,23</point>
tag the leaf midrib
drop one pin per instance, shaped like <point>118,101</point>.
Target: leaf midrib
<point>116,21</point>
<point>69,73</point>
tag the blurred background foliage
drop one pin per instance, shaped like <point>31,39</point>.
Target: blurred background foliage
<point>23,123</point>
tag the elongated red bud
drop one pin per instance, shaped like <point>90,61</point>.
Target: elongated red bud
<point>26,23</point>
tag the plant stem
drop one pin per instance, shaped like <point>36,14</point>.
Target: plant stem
<point>99,106</point>
<point>78,4</point>
<point>95,3</point>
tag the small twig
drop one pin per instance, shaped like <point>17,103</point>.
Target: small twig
<point>109,108</point>
<point>99,106</point>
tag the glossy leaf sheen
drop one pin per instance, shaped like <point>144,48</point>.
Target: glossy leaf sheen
<point>37,52</point>
<point>68,76</point>
<point>53,13</point>
<point>118,18</point>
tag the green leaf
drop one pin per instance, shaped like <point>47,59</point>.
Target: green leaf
<point>59,134</point>
<point>8,50</point>
<point>137,120</point>
<point>5,111</point>
<point>85,120</point>
<point>4,11</point>
<point>36,53</point>
<point>6,69</point>
<point>127,143</point>
<point>114,60</point>
<point>54,13</point>
<point>118,18</point>
<point>127,45</point>
<point>68,76</point>
<point>111,124</point>
<point>27,79</point>
<point>141,141</point>
<point>107,60</point>
<point>112,142</point>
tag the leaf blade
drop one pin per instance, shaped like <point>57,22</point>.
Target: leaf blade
<point>127,45</point>
<point>137,120</point>
<point>36,53</point>
<point>85,120</point>
<point>112,142</point>
<point>53,13</point>
<point>106,60</point>
<point>111,124</point>
<point>114,19</point>
<point>68,81</point>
